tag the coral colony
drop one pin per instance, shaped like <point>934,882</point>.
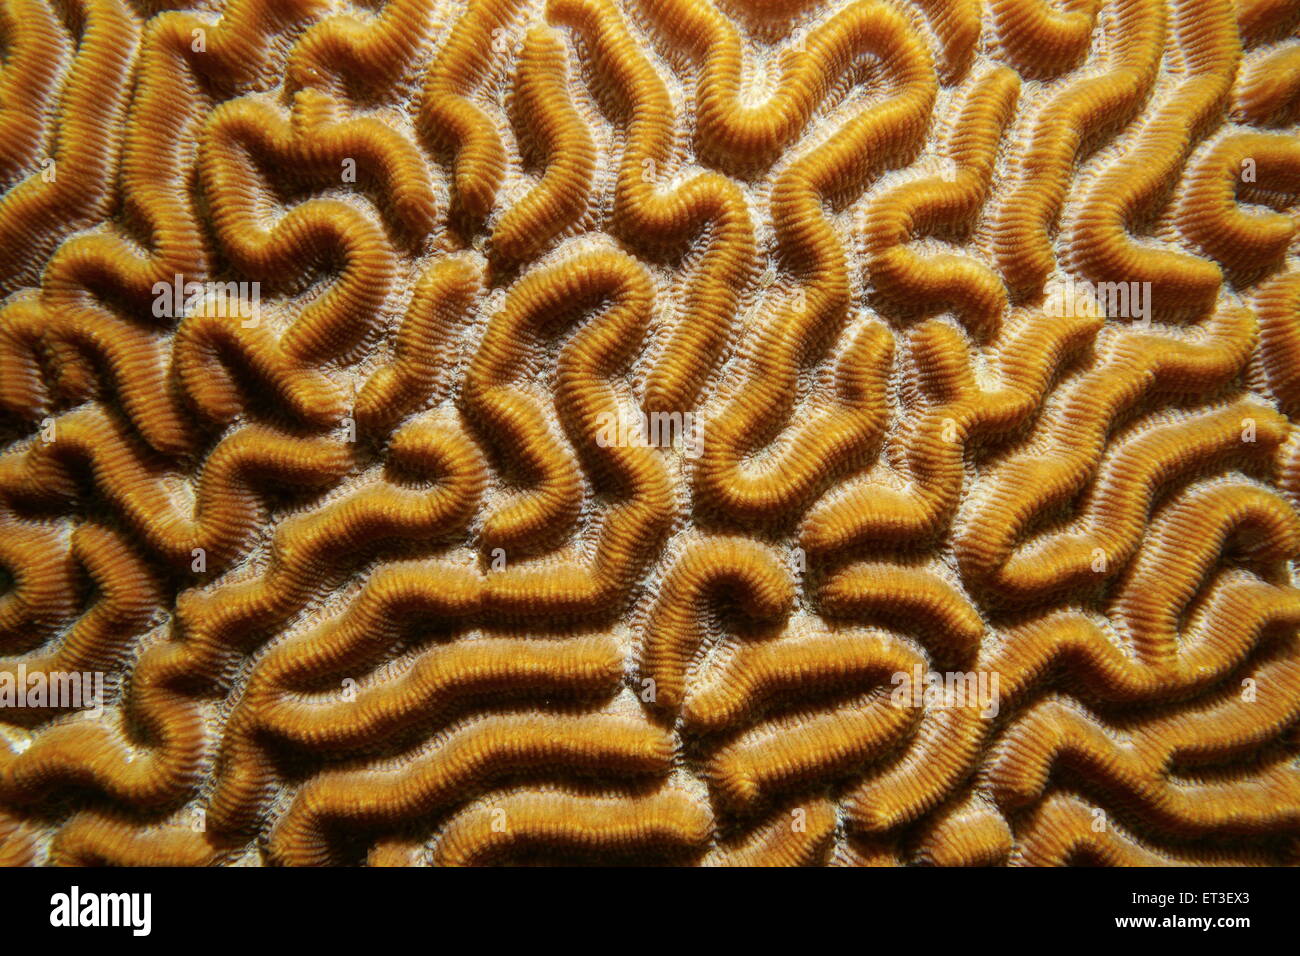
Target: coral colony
<point>664,431</point>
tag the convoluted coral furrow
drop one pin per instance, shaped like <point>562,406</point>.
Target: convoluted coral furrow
<point>424,347</point>
<point>343,49</point>
<point>1136,765</point>
<point>127,600</point>
<point>1269,91</point>
<point>558,824</point>
<point>807,432</point>
<point>334,322</point>
<point>468,757</point>
<point>969,832</point>
<point>1064,830</point>
<point>41,597</point>
<point>795,835</point>
<point>945,280</point>
<point>957,25</point>
<point>560,197</point>
<point>1021,234</point>
<point>99,753</point>
<point>541,459</point>
<point>479,669</point>
<point>1278,305</point>
<point>27,83</point>
<point>308,547</point>
<point>1260,20</point>
<point>1235,613</point>
<point>674,632</point>
<point>225,513</point>
<point>645,212</point>
<point>797,748</point>
<point>882,135</point>
<point>17,847</point>
<point>1210,217</point>
<point>447,116</point>
<point>132,359</point>
<point>78,187</point>
<point>945,739</point>
<point>91,271</point>
<point>1039,41</point>
<point>166,114</point>
<point>920,492</point>
<point>97,840</point>
<point>1098,241</point>
<point>1013,493</point>
<point>1111,526</point>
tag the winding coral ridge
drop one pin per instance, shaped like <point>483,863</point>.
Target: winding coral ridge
<point>467,432</point>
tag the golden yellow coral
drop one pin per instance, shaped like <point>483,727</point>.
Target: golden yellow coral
<point>469,755</point>
<point>1021,234</point>
<point>561,196</point>
<point>1099,244</point>
<point>446,115</point>
<point>595,416</point>
<point>77,186</point>
<point>796,835</point>
<point>647,215</point>
<point>554,823</point>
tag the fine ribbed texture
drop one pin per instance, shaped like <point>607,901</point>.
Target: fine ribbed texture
<point>467,432</point>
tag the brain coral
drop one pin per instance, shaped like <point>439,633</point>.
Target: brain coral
<point>726,432</point>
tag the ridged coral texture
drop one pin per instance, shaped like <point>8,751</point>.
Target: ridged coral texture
<point>720,432</point>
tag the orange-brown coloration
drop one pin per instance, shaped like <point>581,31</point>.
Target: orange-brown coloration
<point>379,538</point>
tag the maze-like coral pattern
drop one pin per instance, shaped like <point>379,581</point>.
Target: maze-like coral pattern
<point>371,584</point>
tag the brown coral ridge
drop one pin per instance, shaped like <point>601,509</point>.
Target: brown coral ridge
<point>595,413</point>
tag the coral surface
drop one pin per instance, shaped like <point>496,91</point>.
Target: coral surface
<point>724,432</point>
